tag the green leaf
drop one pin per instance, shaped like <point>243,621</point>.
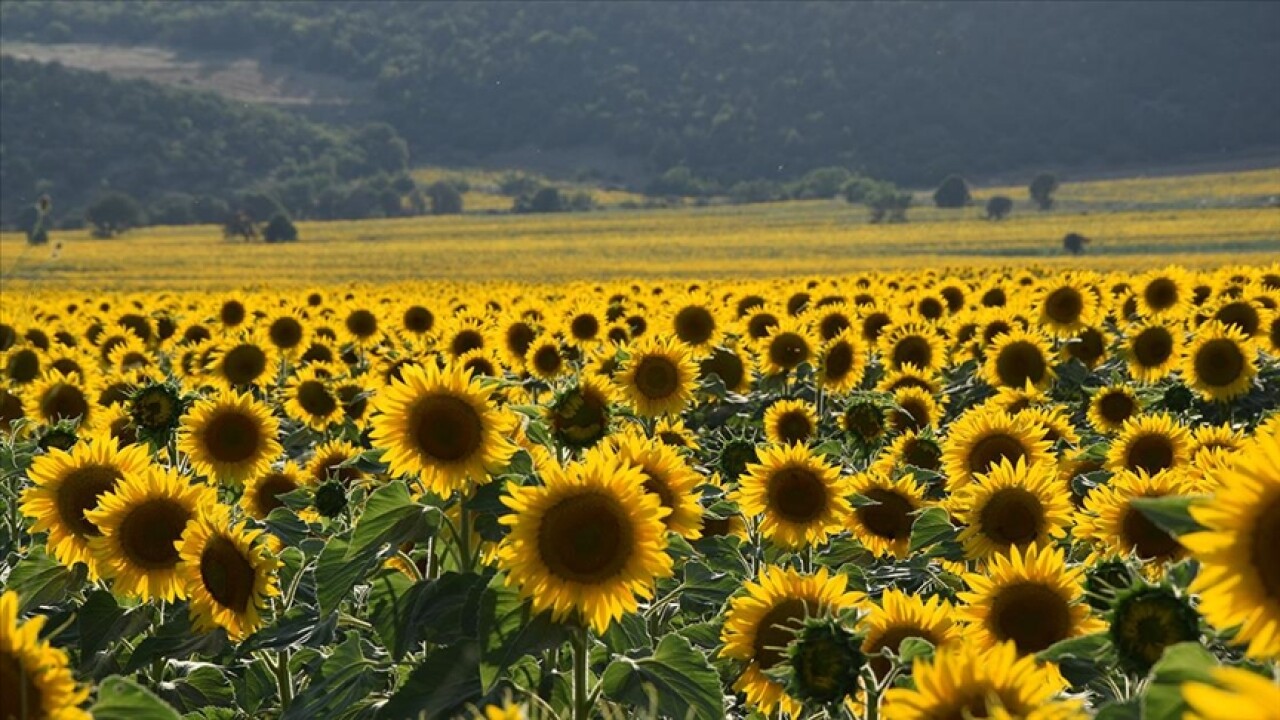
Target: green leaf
<point>1181,663</point>
<point>102,621</point>
<point>40,580</point>
<point>441,611</point>
<point>858,500</point>
<point>176,640</point>
<point>681,679</point>
<point>123,699</point>
<point>441,686</point>
<point>337,572</point>
<point>344,678</point>
<point>286,525</point>
<point>1171,513</point>
<point>300,625</point>
<point>705,590</point>
<point>509,629</point>
<point>1086,647</point>
<point>1127,710</point>
<point>391,517</point>
<point>628,634</point>
<point>203,685</point>
<point>914,647</point>
<point>930,528</point>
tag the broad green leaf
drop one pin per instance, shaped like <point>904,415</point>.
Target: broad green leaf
<point>930,528</point>
<point>628,634</point>
<point>102,621</point>
<point>684,683</point>
<point>705,590</point>
<point>123,699</point>
<point>337,572</point>
<point>914,647</point>
<point>286,525</point>
<point>300,625</point>
<point>203,684</point>
<point>446,681</point>
<point>391,517</point>
<point>1171,513</point>
<point>509,629</point>
<point>1086,647</point>
<point>441,611</point>
<point>176,640</point>
<point>1181,663</point>
<point>344,678</point>
<point>40,580</point>
<point>1128,710</point>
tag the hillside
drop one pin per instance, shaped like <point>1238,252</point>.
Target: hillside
<point>907,91</point>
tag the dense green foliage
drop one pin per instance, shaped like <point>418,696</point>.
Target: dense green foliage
<point>907,91</point>
<point>186,156</point>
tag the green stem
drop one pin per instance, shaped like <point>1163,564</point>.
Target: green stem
<point>464,535</point>
<point>284,681</point>
<point>581,701</point>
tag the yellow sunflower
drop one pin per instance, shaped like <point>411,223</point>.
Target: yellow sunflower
<point>727,365</point>
<point>66,485</point>
<point>910,376</point>
<point>1220,363</point>
<point>330,461</point>
<point>694,321</point>
<point>1090,346</point>
<point>1116,527</point>
<point>1234,694</point>
<point>310,400</point>
<point>1017,359</point>
<point>1152,351</point>
<point>980,439</point>
<point>1239,579</point>
<point>1163,293</point>
<point>141,521</point>
<point>1151,443</point>
<point>443,426</point>
<point>545,360</point>
<point>916,410</point>
<point>1111,407</point>
<point>262,491</point>
<point>229,436</point>
<point>882,521</point>
<point>911,449</point>
<point>915,343</point>
<point>230,577</point>
<point>587,543</point>
<point>1067,306</point>
<point>56,397</point>
<point>247,362</point>
<point>666,475</point>
<point>788,422</point>
<point>842,363</point>
<point>762,620</point>
<point>899,616</point>
<point>579,416</point>
<point>672,432</point>
<point>1029,597</point>
<point>658,378</point>
<point>787,345</point>
<point>1014,505</point>
<point>38,682</point>
<point>798,496</point>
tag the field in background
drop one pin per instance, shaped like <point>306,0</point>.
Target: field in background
<point>1197,220</point>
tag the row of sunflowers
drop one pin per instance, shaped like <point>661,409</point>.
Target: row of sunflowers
<point>1012,494</point>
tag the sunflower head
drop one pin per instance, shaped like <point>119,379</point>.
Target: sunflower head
<point>229,436</point>
<point>1146,619</point>
<point>825,662</point>
<point>1220,362</point>
<point>667,476</point>
<point>882,517</point>
<point>788,422</point>
<point>658,378</point>
<point>580,415</point>
<point>980,439</point>
<point>969,680</point>
<point>35,677</point>
<point>799,497</point>
<point>155,409</point>
<point>1014,505</point>
<point>1150,443</point>
<point>229,574</point>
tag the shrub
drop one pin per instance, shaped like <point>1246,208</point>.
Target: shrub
<point>1042,188</point>
<point>280,229</point>
<point>998,207</point>
<point>445,198</point>
<point>545,200</point>
<point>1074,243</point>
<point>952,193</point>
<point>113,214</point>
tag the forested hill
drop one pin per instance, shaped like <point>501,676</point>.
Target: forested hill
<point>907,91</point>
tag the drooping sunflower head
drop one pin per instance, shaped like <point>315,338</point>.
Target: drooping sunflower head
<point>788,422</point>
<point>826,663</point>
<point>230,577</point>
<point>658,378</point>
<point>910,450</point>
<point>155,409</point>
<point>141,521</point>
<point>1220,362</point>
<point>443,426</point>
<point>1150,443</point>
<point>883,512</point>
<point>1146,619</point>
<point>865,419</point>
<point>763,620</point>
<point>229,436</point>
<point>1014,505</point>
<point>35,677</point>
<point>587,542</point>
<point>1017,359</point>
<point>980,439</point>
<point>900,615</point>
<point>1111,407</point>
<point>667,476</point>
<point>799,497</point>
<point>580,415</point>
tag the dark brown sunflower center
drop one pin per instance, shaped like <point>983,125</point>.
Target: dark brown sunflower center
<point>480,366</point>
<point>354,401</point>
<point>467,340</point>
<point>23,367</point>
<point>873,325</point>
<point>232,436</point>
<point>1241,314</point>
<point>362,323</point>
<point>1153,346</point>
<point>1161,294</point>
<point>63,402</point>
<point>776,630</point>
<point>1089,347</point>
<point>912,415</point>
<point>585,327</point>
<point>586,539</point>
<point>716,527</point>
<point>316,399</point>
<point>547,359</point>
<point>787,350</point>
<point>1219,362</point>
<point>519,337</point>
<point>726,365</point>
<point>1012,516</point>
<point>20,694</point>
<point>749,303</point>
<point>243,364</point>
<point>227,575</point>
<point>1064,305</point>
<point>838,362</point>
<point>995,297</point>
<point>232,313</point>
<point>656,377</point>
<point>1264,550</point>
<point>1149,542</point>
<point>865,421</point>
<point>889,518</point>
<point>1153,453</point>
<point>797,494</point>
<point>832,325</point>
<point>794,427</point>
<point>695,325</point>
<point>445,428</point>
<point>931,308</point>
<point>10,408</point>
<point>1030,614</point>
<point>418,319</point>
<point>922,454</point>
<point>285,333</point>
<point>149,532</point>
<point>913,349</point>
<point>1116,407</point>
<point>269,490</point>
<point>990,450</point>
<point>79,492</point>
<point>1019,363</point>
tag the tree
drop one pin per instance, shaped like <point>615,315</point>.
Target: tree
<point>445,198</point>
<point>34,220</point>
<point>998,207</point>
<point>824,182</point>
<point>260,206</point>
<point>952,193</point>
<point>239,225</point>
<point>546,200</point>
<point>113,214</point>
<point>886,203</point>
<point>280,229</point>
<point>1042,188</point>
<point>857,189</point>
<point>1074,243</point>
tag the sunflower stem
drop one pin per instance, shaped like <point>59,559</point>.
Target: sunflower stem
<point>464,535</point>
<point>284,681</point>
<point>581,698</point>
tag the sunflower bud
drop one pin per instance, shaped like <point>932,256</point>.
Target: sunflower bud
<point>826,661</point>
<point>1105,580</point>
<point>331,499</point>
<point>1146,620</point>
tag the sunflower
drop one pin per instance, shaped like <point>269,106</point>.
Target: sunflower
<point>787,345</point>
<point>287,332</point>
<point>465,334</point>
<point>915,410</point>
<point>1239,579</point>
<point>1233,694</point>
<point>229,436</point>
<point>658,378</point>
<point>58,397</point>
<point>21,365</point>
<point>1152,351</point>
<point>1067,306</point>
<point>1147,619</point>
<point>831,321</point>
<point>666,475</point>
<point>1054,421</point>
<point>882,520</point>
<point>910,450</point>
<point>871,324</point>
<point>727,365</point>
<point>1220,362</point>
<point>241,364</point>
<point>310,400</point>
<point>583,325</point>
<point>1089,346</point>
<point>1029,597</point>
<point>354,396</point>
<point>262,491</point>
<point>141,521</point>
<point>332,461</point>
<point>842,363</point>
<point>1111,407</point>
<point>1116,527</point>
<point>1163,293</point>
<point>965,680</point>
<point>788,422</point>
<point>864,419</point>
<point>229,576</point>
<point>910,376</point>
<point>762,621</point>
<point>915,343</point>
<point>481,363</point>
<point>11,409</point>
<point>545,360</point>
<point>362,325</point>
<point>1017,359</point>
<point>65,485</point>
<point>1150,443</point>
<point>442,425</point>
<point>37,678</point>
<point>587,542</point>
<point>579,416</point>
<point>899,616</point>
<point>800,497</point>
<point>1014,505</point>
<point>673,433</point>
<point>694,322</point>
<point>980,439</point>
<point>517,334</point>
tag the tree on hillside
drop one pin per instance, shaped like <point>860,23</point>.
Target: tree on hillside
<point>952,193</point>
<point>998,207</point>
<point>35,222</point>
<point>445,198</point>
<point>545,200</point>
<point>1042,188</point>
<point>1074,243</point>
<point>887,203</point>
<point>239,225</point>
<point>113,214</point>
<point>280,229</point>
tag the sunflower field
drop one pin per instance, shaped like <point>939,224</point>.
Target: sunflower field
<point>987,493</point>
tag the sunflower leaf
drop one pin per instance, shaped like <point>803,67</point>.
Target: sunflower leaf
<point>446,681</point>
<point>930,528</point>
<point>39,579</point>
<point>337,572</point>
<point>1171,513</point>
<point>123,699</point>
<point>677,675</point>
<point>391,516</point>
<point>509,629</point>
<point>1181,663</point>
